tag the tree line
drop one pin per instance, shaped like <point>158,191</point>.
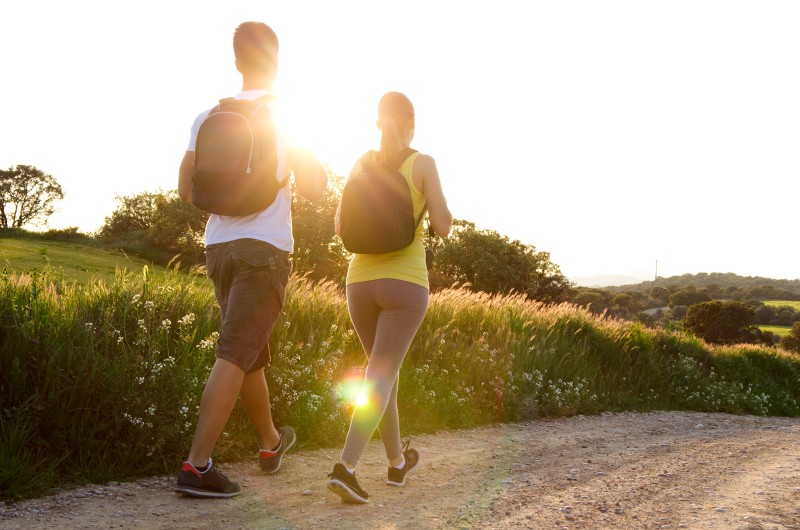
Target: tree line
<point>157,225</point>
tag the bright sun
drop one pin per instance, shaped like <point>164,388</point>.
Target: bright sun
<point>337,133</point>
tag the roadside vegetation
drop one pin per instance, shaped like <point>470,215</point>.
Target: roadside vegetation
<point>101,380</point>
<point>106,340</point>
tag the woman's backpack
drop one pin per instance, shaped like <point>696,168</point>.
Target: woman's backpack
<point>377,212</point>
<point>235,159</point>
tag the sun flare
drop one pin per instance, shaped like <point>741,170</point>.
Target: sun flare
<point>337,133</point>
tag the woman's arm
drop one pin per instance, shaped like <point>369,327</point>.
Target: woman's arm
<point>440,216</point>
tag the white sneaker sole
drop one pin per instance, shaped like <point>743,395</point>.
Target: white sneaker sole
<point>345,492</point>
<point>196,492</point>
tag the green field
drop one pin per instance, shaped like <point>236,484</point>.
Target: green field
<point>780,331</point>
<point>782,303</point>
<point>74,261</point>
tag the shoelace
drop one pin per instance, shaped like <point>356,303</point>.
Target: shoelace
<point>405,446</point>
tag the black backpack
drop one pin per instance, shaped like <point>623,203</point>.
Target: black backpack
<point>377,212</point>
<point>235,159</point>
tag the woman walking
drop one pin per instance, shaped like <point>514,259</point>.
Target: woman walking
<point>387,297</point>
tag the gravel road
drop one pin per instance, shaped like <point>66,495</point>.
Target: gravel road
<point>653,470</point>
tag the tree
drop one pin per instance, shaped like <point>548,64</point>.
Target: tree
<point>157,225</point>
<point>688,297</point>
<point>659,295</point>
<point>485,261</point>
<point>177,226</point>
<point>624,301</point>
<point>133,213</point>
<point>784,316</point>
<point>721,322</point>
<point>591,299</point>
<point>792,341</point>
<point>765,314</point>
<point>27,196</point>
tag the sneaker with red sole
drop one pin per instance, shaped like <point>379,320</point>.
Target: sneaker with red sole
<point>270,461</point>
<point>209,483</point>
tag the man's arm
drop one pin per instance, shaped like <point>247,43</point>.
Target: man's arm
<point>309,175</point>
<point>185,177</point>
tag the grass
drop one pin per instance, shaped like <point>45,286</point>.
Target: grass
<point>101,380</point>
<point>780,331</point>
<point>80,262</point>
<point>795,304</point>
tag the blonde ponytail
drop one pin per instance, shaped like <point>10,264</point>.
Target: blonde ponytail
<point>391,144</point>
<point>395,113</point>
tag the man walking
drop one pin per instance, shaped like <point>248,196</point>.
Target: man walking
<point>247,259</point>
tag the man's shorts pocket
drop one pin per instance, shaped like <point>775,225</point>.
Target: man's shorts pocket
<point>263,262</point>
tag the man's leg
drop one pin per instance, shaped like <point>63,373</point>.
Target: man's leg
<point>219,397</point>
<point>255,398</point>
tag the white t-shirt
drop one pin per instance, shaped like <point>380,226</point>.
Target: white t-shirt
<point>273,225</point>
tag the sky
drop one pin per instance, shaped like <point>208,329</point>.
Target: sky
<point>612,134</point>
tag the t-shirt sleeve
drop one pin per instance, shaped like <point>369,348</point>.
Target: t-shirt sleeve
<point>196,127</point>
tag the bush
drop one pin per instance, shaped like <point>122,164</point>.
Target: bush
<point>792,341</point>
<point>157,226</point>
<point>483,260</point>
<point>102,382</point>
<point>721,322</point>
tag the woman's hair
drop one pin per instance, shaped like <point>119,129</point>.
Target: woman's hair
<point>395,111</point>
<point>255,46</point>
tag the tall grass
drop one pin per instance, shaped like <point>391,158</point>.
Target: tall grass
<point>102,381</point>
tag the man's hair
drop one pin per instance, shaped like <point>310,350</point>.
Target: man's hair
<point>395,106</point>
<point>255,46</point>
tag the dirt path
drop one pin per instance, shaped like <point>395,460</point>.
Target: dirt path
<point>658,470</point>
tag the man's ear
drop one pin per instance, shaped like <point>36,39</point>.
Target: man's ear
<point>238,67</point>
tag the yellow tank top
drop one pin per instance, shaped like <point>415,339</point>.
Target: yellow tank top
<point>407,264</point>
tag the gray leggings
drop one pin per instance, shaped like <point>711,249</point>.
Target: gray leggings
<point>386,314</point>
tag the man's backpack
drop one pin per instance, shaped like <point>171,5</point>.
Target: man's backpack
<point>235,159</point>
<point>377,212</point>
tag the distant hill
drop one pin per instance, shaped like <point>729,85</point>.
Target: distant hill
<point>605,280</point>
<point>714,280</point>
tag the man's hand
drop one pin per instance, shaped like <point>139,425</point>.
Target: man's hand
<point>309,175</point>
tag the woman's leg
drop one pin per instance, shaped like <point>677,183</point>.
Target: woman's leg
<point>389,427</point>
<point>401,309</point>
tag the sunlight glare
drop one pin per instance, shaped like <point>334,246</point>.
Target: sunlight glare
<point>351,389</point>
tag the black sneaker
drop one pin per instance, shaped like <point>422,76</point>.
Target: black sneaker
<point>208,483</point>
<point>271,460</point>
<point>397,477</point>
<point>345,485</point>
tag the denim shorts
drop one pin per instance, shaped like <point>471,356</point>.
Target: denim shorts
<point>250,278</point>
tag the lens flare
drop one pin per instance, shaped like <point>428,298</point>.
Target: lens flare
<point>351,389</point>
